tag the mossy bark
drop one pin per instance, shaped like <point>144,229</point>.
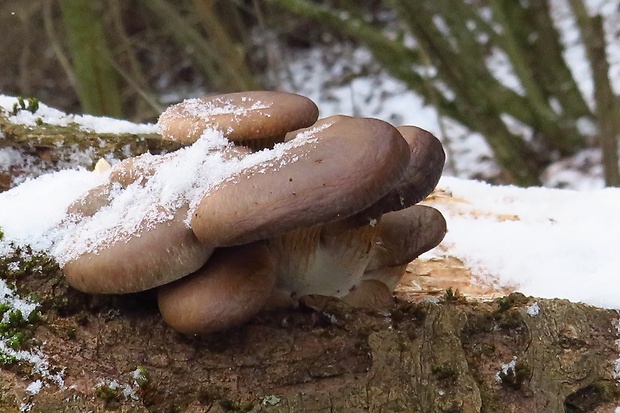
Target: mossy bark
<point>47,146</point>
<point>445,356</point>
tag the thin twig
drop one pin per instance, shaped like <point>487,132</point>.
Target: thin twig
<point>50,31</point>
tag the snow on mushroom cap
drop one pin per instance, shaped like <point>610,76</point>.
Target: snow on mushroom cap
<point>208,109</point>
<point>181,178</point>
<point>257,118</point>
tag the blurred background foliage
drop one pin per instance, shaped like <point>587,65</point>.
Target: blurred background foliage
<point>131,58</point>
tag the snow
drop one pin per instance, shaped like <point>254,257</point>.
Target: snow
<point>549,243</point>
<point>53,116</point>
<point>533,310</point>
<point>34,387</point>
<point>40,362</point>
<point>22,219</point>
<point>506,368</point>
<point>182,178</point>
<point>9,298</point>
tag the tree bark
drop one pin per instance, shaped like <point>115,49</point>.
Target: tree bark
<point>607,107</point>
<point>47,147</point>
<point>446,356</point>
<point>96,80</point>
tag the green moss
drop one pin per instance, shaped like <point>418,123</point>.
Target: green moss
<point>141,377</point>
<point>445,372</point>
<point>71,333</point>
<point>22,261</point>
<point>232,406</point>
<point>29,104</point>
<point>270,400</point>
<point>108,393</point>
<point>15,330</point>
<point>510,301</point>
<point>6,359</point>
<point>454,296</point>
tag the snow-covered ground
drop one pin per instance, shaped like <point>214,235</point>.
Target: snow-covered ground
<point>551,243</point>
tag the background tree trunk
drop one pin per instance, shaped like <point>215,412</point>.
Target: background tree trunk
<point>96,79</point>
<point>530,114</point>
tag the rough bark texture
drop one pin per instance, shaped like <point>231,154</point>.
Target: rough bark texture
<point>444,356</point>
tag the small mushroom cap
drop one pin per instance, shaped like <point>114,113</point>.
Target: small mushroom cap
<point>156,256</point>
<point>326,175</point>
<point>421,176</point>
<point>371,294</point>
<point>403,235</point>
<point>123,173</point>
<point>230,289</point>
<point>261,116</point>
<point>89,203</point>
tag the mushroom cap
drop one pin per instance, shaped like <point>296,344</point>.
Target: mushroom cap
<point>421,176</point>
<point>371,294</point>
<point>142,240</point>
<point>123,173</point>
<point>92,201</point>
<point>327,173</point>
<point>401,237</point>
<point>158,255</point>
<point>230,289</point>
<point>323,121</point>
<point>255,119</point>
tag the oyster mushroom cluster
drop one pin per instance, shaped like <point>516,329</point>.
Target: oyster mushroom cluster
<point>263,205</point>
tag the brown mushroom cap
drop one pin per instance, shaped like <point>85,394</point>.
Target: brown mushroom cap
<point>323,121</point>
<point>370,293</point>
<point>421,176</point>
<point>143,240</point>
<point>167,251</point>
<point>325,175</point>
<point>256,119</point>
<point>229,290</point>
<point>401,237</point>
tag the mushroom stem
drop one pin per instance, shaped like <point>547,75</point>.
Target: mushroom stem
<point>324,259</point>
